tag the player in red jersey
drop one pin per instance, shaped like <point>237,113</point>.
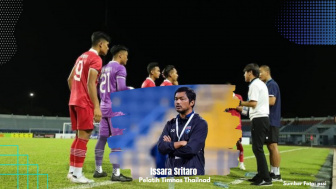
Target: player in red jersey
<point>170,75</point>
<point>236,112</point>
<point>84,104</point>
<point>154,73</point>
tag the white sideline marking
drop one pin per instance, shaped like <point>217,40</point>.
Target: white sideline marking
<point>95,184</point>
<point>238,181</point>
<point>296,149</point>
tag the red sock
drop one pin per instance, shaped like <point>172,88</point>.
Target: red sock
<point>80,152</point>
<point>241,153</point>
<point>72,157</point>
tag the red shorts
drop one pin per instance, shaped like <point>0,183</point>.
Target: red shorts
<point>81,118</point>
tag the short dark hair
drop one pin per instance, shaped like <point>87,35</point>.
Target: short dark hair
<point>151,66</point>
<point>97,36</point>
<point>266,68</point>
<point>166,70</point>
<point>189,92</point>
<point>252,67</point>
<point>117,48</point>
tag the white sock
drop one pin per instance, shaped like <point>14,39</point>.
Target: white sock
<point>277,170</point>
<point>71,169</point>
<point>272,169</point>
<point>99,168</point>
<point>117,172</point>
<point>241,163</point>
<point>78,172</point>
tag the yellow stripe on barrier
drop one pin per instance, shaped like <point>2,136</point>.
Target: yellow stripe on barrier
<point>20,135</point>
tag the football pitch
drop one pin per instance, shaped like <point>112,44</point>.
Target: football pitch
<point>50,159</point>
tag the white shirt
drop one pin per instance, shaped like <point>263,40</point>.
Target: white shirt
<point>258,92</point>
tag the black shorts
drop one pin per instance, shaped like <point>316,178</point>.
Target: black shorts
<point>272,135</point>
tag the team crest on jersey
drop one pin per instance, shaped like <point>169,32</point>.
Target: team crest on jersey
<point>187,129</point>
<point>172,130</point>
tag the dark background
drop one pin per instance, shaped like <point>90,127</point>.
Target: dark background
<point>209,42</point>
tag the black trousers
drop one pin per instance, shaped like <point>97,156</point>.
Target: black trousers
<point>260,128</point>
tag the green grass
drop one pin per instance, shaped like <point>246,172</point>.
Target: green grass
<point>51,156</point>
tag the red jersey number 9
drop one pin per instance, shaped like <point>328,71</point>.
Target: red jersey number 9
<point>79,69</point>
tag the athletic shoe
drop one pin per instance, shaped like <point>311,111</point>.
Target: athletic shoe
<point>262,183</point>
<point>98,175</point>
<point>69,176</point>
<point>121,178</point>
<point>241,166</point>
<point>81,180</point>
<point>254,179</point>
<point>275,178</point>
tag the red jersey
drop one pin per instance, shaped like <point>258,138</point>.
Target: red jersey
<point>166,82</point>
<point>79,91</point>
<point>234,112</point>
<point>148,83</point>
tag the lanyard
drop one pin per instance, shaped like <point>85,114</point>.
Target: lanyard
<point>179,137</point>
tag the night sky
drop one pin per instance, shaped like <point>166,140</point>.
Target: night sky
<point>209,42</point>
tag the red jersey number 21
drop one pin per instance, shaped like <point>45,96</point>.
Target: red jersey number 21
<point>79,69</point>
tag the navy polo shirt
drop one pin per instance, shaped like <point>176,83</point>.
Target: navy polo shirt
<point>275,110</point>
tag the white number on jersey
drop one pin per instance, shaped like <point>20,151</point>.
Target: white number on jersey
<point>79,69</point>
<point>105,81</point>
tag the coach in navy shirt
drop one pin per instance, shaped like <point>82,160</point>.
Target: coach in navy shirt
<point>274,116</point>
<point>183,138</point>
